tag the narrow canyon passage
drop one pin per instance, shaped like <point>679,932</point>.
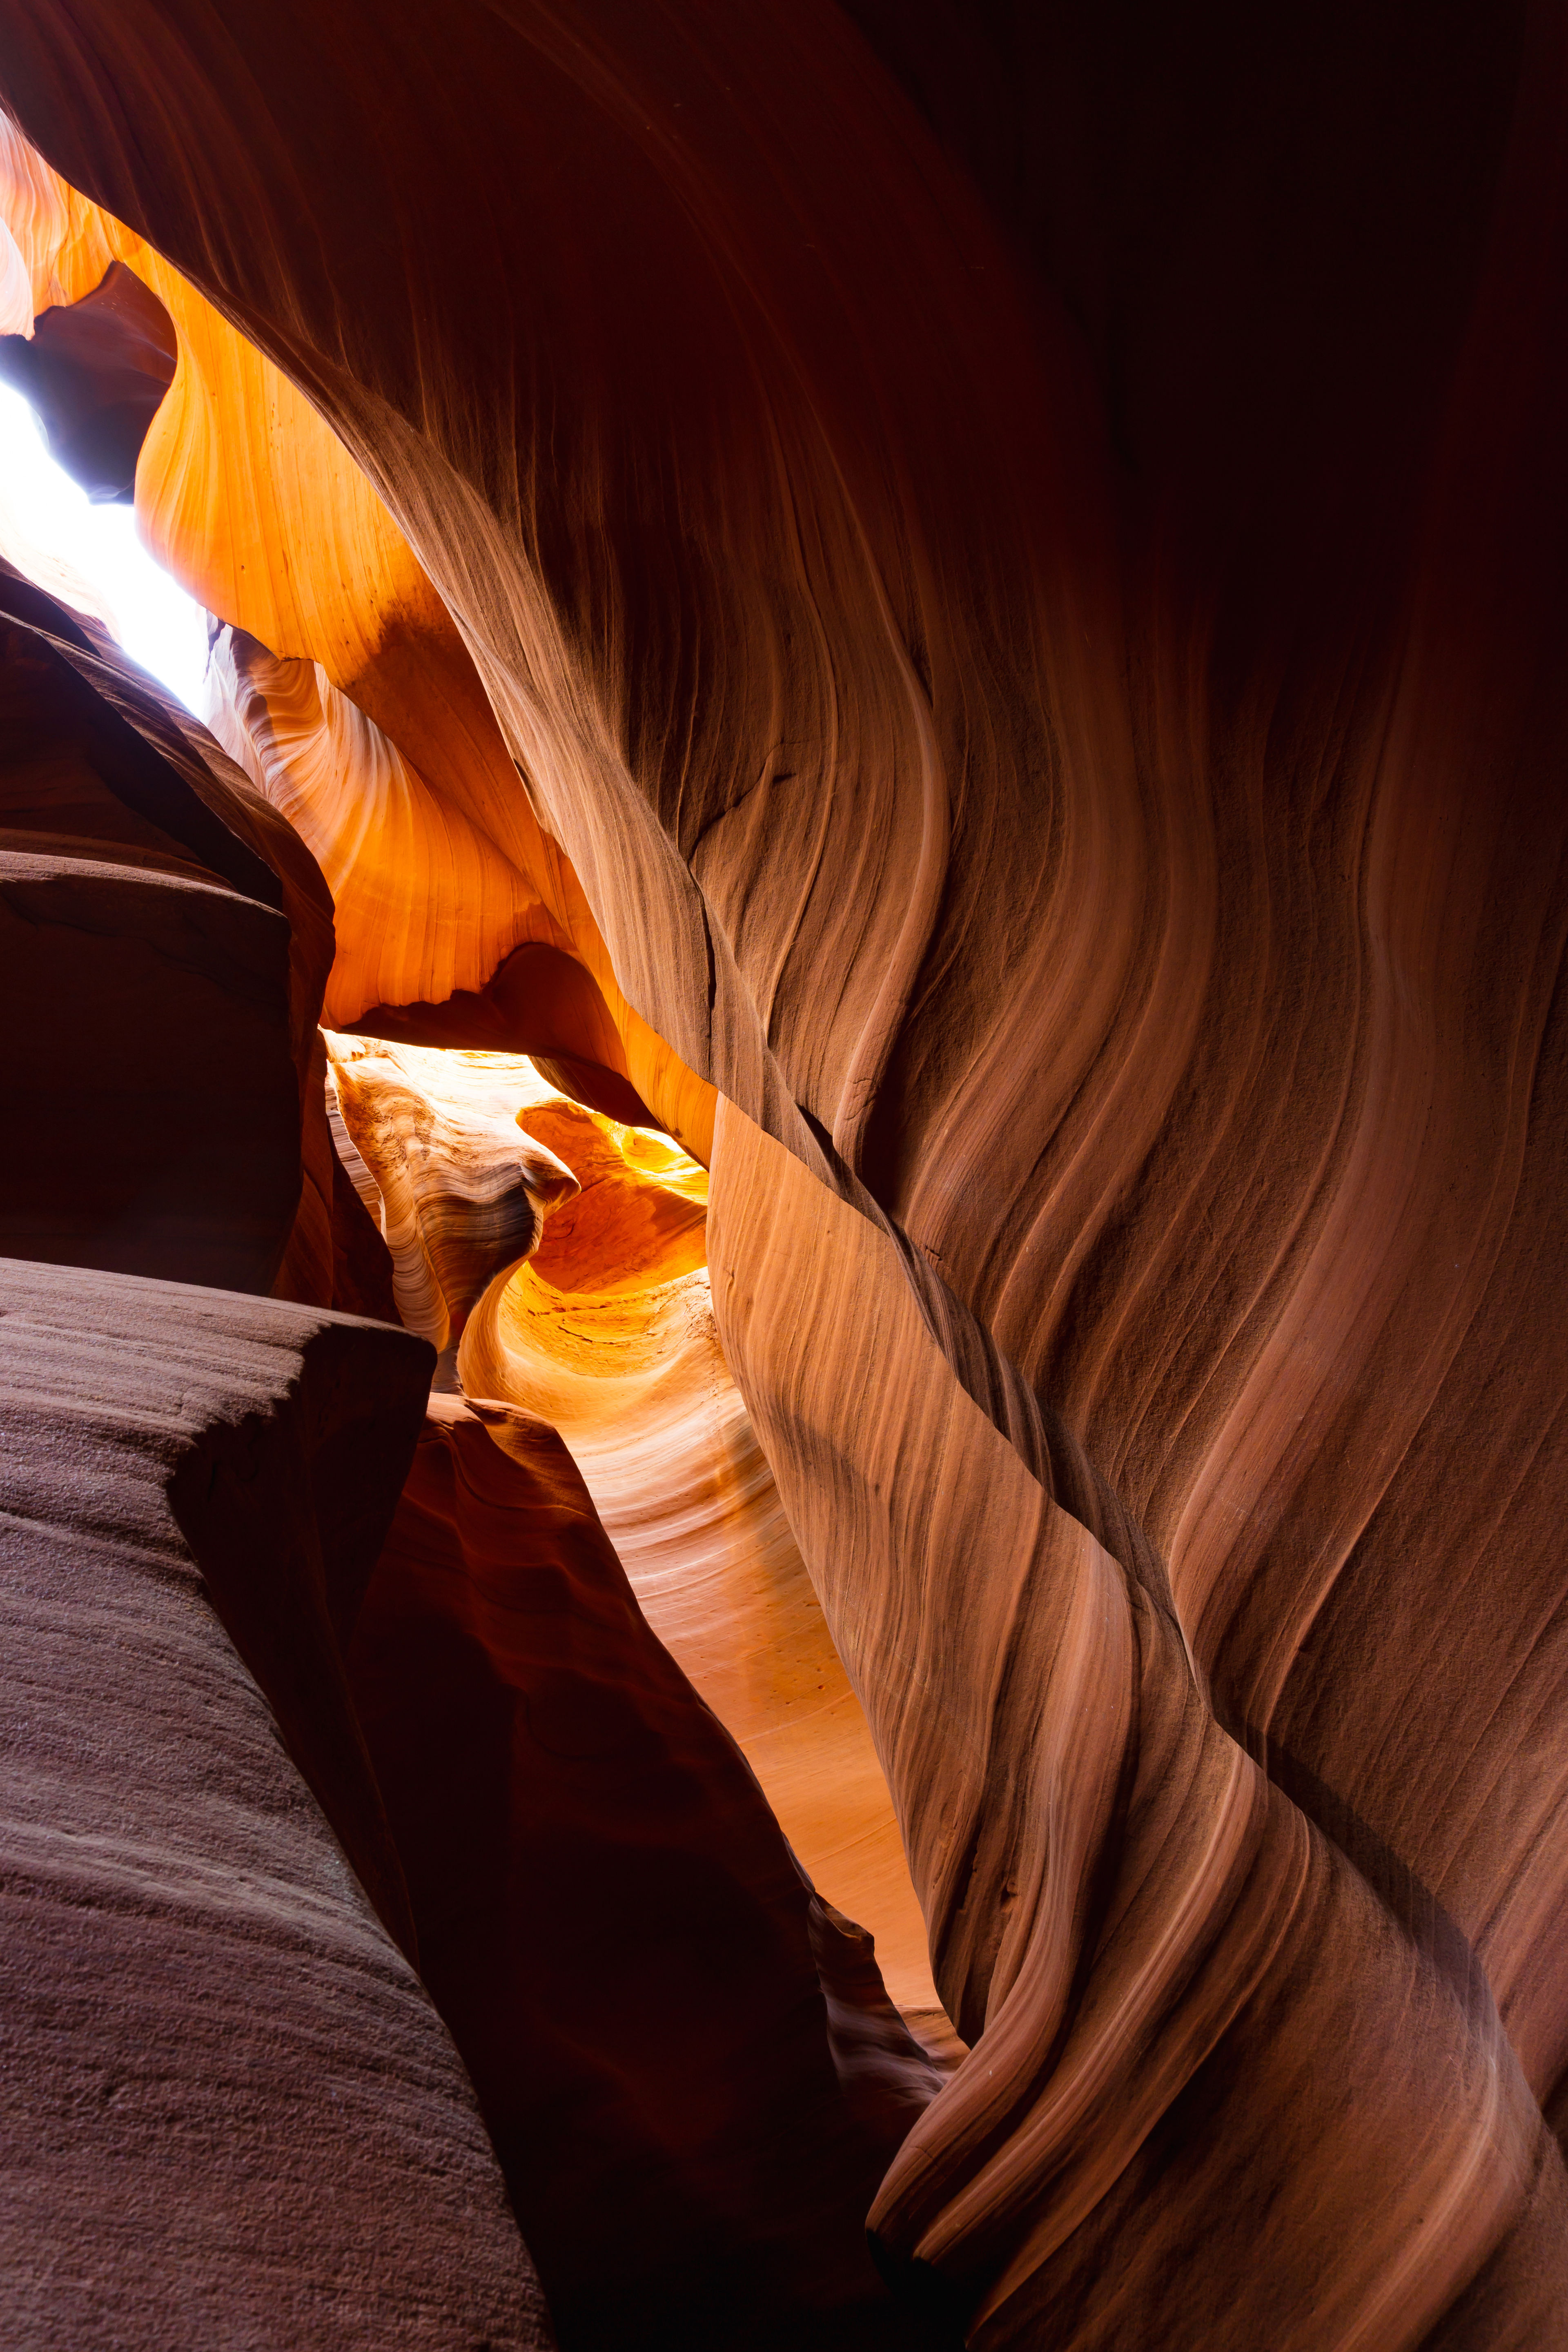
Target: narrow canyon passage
<point>605,1332</point>
<point>781,1284</point>
<point>699,2038</point>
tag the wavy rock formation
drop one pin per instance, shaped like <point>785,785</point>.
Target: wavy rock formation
<point>599,1323</point>
<point>607,1331</point>
<point>1178,1988</point>
<point>461,1192</point>
<point>540,1750</point>
<point>994,582</point>
<point>443,937</point>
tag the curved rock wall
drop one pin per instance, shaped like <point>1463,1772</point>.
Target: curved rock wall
<point>1016,563</point>
<point>607,1332</point>
<point>579,1293</point>
<point>1181,1993</point>
<point>460,1192</point>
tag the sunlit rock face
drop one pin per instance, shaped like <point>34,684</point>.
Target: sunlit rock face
<point>458,921</point>
<point>461,1192</point>
<point>607,1332</point>
<point>995,590</point>
<point>580,1290</point>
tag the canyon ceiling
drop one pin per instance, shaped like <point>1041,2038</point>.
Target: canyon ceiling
<point>783,1321</point>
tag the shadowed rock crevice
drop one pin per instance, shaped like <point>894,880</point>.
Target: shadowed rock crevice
<point>630,1959</point>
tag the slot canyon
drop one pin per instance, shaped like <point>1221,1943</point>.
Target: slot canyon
<point>783,1240</point>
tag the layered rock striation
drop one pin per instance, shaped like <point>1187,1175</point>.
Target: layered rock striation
<point>963,616</point>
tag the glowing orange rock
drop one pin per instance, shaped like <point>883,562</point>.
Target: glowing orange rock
<point>1023,566</point>
<point>462,1193</point>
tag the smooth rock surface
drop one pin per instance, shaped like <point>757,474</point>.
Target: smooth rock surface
<point>162,928</point>
<point>999,575</point>
<point>232,2114</point>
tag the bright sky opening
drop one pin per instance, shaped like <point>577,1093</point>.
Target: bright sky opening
<point>158,624</point>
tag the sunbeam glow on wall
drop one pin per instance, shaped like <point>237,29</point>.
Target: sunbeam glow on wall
<point>91,556</point>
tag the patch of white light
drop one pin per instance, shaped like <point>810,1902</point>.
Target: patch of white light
<point>91,556</point>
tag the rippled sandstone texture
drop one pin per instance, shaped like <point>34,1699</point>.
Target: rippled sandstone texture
<point>1021,564</point>
<point>593,1848</point>
<point>461,1193</point>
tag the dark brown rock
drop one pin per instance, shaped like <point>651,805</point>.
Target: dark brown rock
<point>147,1066</point>
<point>232,2113</point>
<point>165,939</point>
<point>690,2070</point>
